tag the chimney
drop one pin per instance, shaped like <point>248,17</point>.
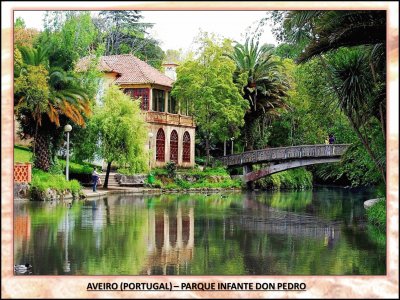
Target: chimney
<point>170,70</point>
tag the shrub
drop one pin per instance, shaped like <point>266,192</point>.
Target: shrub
<point>200,161</point>
<point>77,168</point>
<point>171,169</point>
<point>171,186</point>
<point>376,215</point>
<point>159,171</point>
<point>298,178</point>
<point>41,181</point>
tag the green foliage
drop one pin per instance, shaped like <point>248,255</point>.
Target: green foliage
<point>77,168</point>
<point>19,23</point>
<point>121,32</point>
<point>170,167</point>
<point>298,179</point>
<point>41,181</point>
<point>200,160</point>
<point>44,100</point>
<point>69,36</point>
<point>376,235</point>
<point>121,129</point>
<point>196,178</point>
<point>265,87</point>
<point>203,184</point>
<point>24,154</point>
<point>31,92</point>
<point>215,101</point>
<point>355,167</point>
<point>376,215</point>
<point>159,171</point>
<point>356,76</point>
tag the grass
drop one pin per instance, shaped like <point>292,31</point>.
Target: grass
<point>22,154</point>
<point>376,215</point>
<point>195,178</point>
<point>41,181</point>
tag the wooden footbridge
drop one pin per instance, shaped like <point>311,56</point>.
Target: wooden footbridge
<point>275,160</point>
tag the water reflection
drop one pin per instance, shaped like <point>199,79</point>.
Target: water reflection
<point>312,232</point>
<point>170,239</point>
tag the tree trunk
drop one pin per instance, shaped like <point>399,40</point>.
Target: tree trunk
<point>105,185</point>
<point>42,152</point>
<point>207,151</point>
<point>248,134</point>
<point>383,121</point>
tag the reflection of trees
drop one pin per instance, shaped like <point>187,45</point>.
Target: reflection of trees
<point>266,252</point>
<point>103,238</point>
<point>291,201</point>
<point>122,247</point>
<point>325,203</point>
<point>203,234</point>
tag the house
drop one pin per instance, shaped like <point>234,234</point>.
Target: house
<point>171,133</point>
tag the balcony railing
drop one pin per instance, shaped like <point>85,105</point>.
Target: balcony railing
<point>168,118</point>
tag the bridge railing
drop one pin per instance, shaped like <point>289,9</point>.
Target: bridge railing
<point>283,153</point>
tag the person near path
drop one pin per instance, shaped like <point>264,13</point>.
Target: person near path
<point>327,140</point>
<point>95,179</point>
<point>331,139</point>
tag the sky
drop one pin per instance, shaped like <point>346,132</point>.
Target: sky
<point>177,29</point>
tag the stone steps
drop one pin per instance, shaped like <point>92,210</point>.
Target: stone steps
<point>112,181</point>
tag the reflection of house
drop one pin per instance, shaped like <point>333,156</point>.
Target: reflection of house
<point>173,133</point>
<point>170,240</point>
<point>22,227</point>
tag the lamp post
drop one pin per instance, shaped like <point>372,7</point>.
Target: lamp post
<point>232,138</point>
<point>150,137</point>
<point>225,147</point>
<point>67,129</point>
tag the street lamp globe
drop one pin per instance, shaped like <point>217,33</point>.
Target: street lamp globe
<point>67,128</point>
<point>151,134</point>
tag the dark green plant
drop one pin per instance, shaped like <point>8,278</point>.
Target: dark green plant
<point>376,215</point>
<point>171,169</point>
<point>41,181</point>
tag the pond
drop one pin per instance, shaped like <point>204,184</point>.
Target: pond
<point>316,232</point>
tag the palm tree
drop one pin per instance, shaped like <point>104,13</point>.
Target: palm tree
<point>361,100</point>
<point>265,87</point>
<point>40,115</point>
<point>358,78</point>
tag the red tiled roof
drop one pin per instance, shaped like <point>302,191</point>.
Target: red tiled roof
<point>131,70</point>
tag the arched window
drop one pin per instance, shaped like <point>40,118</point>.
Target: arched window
<point>173,146</point>
<point>160,145</point>
<point>186,147</point>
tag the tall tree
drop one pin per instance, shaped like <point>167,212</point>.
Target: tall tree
<point>68,37</point>
<point>24,36</point>
<point>123,32</point>
<point>357,77</point>
<point>120,132</point>
<point>44,99</point>
<point>266,86</point>
<point>207,82</point>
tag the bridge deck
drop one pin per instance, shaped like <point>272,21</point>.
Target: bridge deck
<point>284,153</point>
